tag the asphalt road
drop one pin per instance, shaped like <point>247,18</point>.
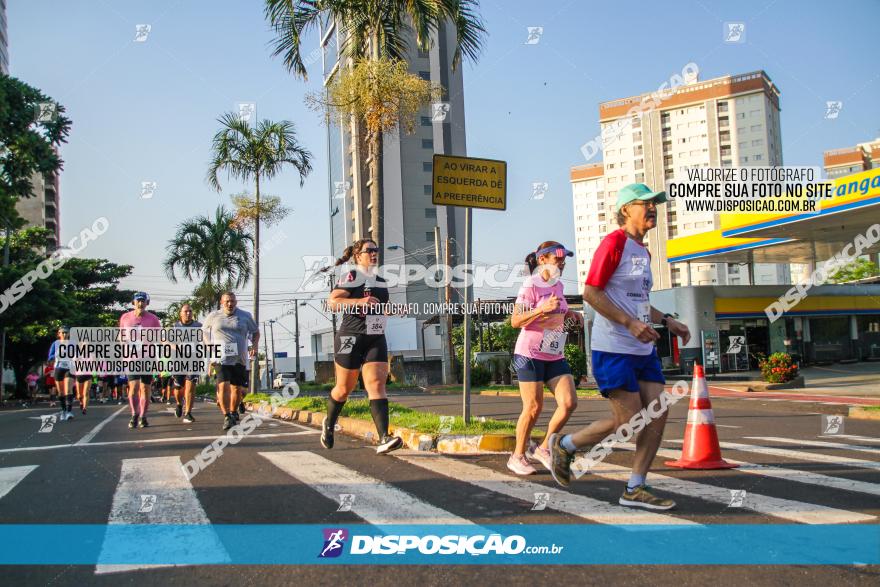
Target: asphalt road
<point>88,470</point>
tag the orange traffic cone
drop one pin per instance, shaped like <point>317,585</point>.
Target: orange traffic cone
<point>700,449</point>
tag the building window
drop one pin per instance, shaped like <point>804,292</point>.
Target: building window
<point>428,190</point>
<point>640,177</point>
<point>637,150</point>
<point>426,120</point>
<point>427,143</point>
<point>423,54</point>
<point>429,236</point>
<point>755,128</point>
<point>425,75</point>
<point>637,136</point>
<point>430,212</point>
<point>758,157</point>
<point>428,166</point>
<point>722,106</point>
<point>757,142</point>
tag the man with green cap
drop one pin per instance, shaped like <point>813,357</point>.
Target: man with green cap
<point>624,358</point>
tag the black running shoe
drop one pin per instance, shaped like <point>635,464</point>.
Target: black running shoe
<point>143,422</point>
<point>235,417</point>
<point>228,421</point>
<point>326,434</point>
<point>178,411</point>
<point>242,409</point>
<point>388,444</point>
<point>133,422</point>
<point>84,411</point>
<point>189,418</point>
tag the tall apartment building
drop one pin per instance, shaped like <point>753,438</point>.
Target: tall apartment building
<point>42,208</point>
<point>4,43</point>
<point>730,121</point>
<point>851,160</point>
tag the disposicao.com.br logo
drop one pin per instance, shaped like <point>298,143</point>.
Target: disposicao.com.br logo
<point>397,544</point>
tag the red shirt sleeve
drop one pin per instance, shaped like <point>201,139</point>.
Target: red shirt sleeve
<point>606,259</point>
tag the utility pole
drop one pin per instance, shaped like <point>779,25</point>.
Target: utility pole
<point>296,335</point>
<point>445,348</point>
<point>270,375</point>
<point>272,334</point>
<point>448,320</point>
<point>3,330</point>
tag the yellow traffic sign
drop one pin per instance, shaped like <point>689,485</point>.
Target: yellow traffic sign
<point>469,182</point>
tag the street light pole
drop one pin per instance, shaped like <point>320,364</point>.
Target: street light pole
<point>272,335</point>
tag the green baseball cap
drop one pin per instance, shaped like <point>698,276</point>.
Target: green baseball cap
<point>637,191</point>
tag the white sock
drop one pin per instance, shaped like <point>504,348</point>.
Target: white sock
<point>568,444</point>
<point>635,480</point>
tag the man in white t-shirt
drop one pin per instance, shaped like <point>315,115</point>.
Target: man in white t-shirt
<point>624,359</point>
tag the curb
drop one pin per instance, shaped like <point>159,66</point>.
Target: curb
<point>463,444</point>
<point>863,414</point>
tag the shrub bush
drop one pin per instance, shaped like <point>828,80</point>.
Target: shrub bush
<point>777,368</point>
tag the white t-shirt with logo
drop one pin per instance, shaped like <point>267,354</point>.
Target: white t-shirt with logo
<point>622,268</point>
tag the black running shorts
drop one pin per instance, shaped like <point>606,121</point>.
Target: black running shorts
<point>234,374</point>
<point>353,350</point>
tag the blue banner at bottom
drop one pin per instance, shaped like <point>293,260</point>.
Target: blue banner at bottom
<point>574,544</point>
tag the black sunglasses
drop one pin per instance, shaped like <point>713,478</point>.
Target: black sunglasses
<point>370,250</point>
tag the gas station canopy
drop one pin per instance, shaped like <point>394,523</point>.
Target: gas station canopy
<point>790,238</point>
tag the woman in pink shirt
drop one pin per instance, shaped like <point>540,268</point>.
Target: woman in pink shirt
<point>542,314</point>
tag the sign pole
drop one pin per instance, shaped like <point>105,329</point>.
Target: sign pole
<point>466,392</point>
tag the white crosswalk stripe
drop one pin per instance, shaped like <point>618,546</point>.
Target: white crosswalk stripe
<point>156,491</point>
<point>798,455</point>
<point>851,437</point>
<point>786,474</point>
<point>564,501</point>
<point>12,476</point>
<point>817,443</point>
<point>373,500</point>
<point>786,509</point>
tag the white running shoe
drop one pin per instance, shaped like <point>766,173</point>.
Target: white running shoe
<point>520,465</point>
<point>541,455</point>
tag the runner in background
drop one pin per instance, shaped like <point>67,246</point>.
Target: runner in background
<point>83,385</point>
<point>541,313</point>
<point>49,382</point>
<point>360,346</point>
<point>63,379</point>
<point>184,385</point>
<point>32,379</point>
<point>231,327</point>
<point>139,385</point>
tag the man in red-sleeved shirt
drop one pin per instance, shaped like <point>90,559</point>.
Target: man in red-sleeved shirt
<point>624,358</point>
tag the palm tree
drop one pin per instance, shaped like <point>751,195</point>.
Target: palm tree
<point>210,250</point>
<point>373,30</point>
<point>255,153</point>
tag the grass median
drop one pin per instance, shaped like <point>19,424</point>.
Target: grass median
<point>402,416</point>
<point>513,389</point>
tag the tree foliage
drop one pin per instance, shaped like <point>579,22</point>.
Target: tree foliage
<point>382,93</point>
<point>858,269</point>
<point>32,126</point>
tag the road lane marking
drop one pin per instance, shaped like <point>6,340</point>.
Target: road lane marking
<point>155,440</point>
<point>12,476</point>
<point>799,455</point>
<point>817,443</point>
<point>375,501</point>
<point>581,506</point>
<point>786,509</point>
<point>850,437</point>
<point>94,431</point>
<point>172,502</point>
<point>807,477</point>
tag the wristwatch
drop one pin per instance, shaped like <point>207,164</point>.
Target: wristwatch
<point>665,316</point>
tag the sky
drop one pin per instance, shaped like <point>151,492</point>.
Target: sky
<point>146,111</point>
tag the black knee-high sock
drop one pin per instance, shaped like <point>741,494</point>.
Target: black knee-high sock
<point>379,410</point>
<point>69,402</point>
<point>62,399</point>
<point>334,408</point>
